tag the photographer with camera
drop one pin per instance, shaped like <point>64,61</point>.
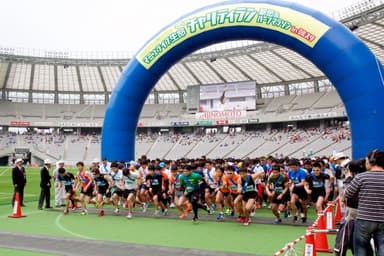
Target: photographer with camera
<point>354,167</point>
<point>344,237</point>
<point>368,188</point>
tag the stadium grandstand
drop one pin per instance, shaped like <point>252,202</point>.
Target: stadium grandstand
<point>53,102</point>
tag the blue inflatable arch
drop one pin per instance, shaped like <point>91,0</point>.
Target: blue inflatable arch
<point>343,58</point>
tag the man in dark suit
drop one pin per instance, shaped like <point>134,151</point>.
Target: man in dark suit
<point>45,185</point>
<point>19,179</point>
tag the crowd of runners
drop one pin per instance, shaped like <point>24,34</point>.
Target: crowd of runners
<point>226,187</point>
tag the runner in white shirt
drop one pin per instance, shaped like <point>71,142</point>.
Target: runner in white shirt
<point>116,189</point>
<point>143,195</point>
<point>59,190</point>
<point>105,167</point>
<point>129,186</point>
<point>209,174</point>
<point>257,169</point>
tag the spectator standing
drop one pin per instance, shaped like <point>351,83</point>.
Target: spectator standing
<point>45,185</point>
<point>368,188</point>
<point>344,237</point>
<point>354,168</point>
<point>19,180</point>
<point>59,190</point>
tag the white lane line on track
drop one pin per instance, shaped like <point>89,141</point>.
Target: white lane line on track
<point>1,174</point>
<point>61,227</point>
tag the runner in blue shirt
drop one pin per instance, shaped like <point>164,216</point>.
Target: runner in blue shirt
<point>297,176</point>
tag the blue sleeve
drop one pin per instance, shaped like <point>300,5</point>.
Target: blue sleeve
<point>303,175</point>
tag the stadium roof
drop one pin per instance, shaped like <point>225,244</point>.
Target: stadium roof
<point>60,74</point>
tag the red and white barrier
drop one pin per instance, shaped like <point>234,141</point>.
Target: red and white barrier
<point>288,246</point>
<point>311,231</point>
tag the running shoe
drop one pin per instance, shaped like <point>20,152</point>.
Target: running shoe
<point>183,215</point>
<point>66,211</point>
<point>84,212</point>
<point>129,216</point>
<point>145,207</point>
<point>276,221</point>
<point>246,222</point>
<point>116,211</point>
<point>220,216</point>
<point>295,219</point>
<point>101,213</point>
<point>195,219</point>
<point>165,212</point>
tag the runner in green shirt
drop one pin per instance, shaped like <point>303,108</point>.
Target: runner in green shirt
<point>191,182</point>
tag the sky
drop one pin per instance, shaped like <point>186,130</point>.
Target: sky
<point>101,25</point>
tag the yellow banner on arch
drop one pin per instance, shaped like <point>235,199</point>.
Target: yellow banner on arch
<point>303,27</point>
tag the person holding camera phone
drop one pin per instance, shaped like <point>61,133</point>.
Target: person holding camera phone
<point>368,188</point>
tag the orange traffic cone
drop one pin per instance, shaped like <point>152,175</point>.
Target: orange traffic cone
<point>309,249</point>
<point>17,207</point>
<point>338,214</point>
<point>321,241</point>
<point>330,220</point>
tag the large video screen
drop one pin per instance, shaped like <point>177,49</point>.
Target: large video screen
<point>229,96</point>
